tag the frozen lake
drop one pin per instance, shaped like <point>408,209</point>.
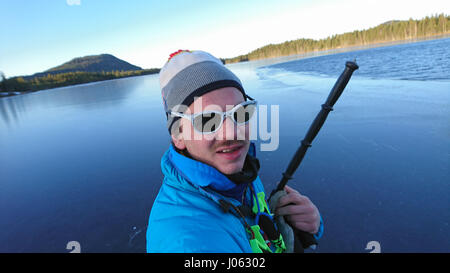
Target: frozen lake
<point>82,163</point>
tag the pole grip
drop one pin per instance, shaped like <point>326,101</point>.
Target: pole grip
<point>303,240</point>
<point>341,83</point>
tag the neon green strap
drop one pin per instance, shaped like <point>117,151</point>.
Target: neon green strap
<point>279,245</point>
<point>257,242</point>
<point>261,199</point>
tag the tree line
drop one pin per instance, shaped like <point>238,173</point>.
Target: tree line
<point>387,32</point>
<point>49,80</point>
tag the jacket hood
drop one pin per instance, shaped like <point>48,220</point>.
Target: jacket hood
<point>203,175</point>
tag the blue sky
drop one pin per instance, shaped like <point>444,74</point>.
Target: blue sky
<point>40,34</point>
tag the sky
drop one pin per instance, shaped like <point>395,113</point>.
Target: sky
<point>40,34</point>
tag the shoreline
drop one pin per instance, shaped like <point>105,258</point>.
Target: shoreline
<point>271,60</point>
<point>316,53</point>
<point>15,93</point>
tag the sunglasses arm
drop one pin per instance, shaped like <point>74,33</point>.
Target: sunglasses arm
<point>180,115</point>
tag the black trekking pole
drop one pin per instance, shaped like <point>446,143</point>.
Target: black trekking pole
<point>307,239</point>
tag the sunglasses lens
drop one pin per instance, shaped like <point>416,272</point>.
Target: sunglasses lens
<point>244,113</point>
<point>210,122</point>
<point>207,122</point>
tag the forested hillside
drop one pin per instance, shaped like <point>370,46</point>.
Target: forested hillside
<point>386,32</point>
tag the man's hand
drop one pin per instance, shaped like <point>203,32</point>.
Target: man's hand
<point>299,211</point>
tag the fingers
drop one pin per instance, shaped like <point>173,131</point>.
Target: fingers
<point>293,197</point>
<point>294,210</point>
<point>289,189</point>
<point>312,228</point>
<point>309,222</point>
<point>299,211</point>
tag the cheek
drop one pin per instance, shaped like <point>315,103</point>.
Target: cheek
<point>243,132</point>
<point>190,134</point>
<point>200,149</point>
<point>187,131</point>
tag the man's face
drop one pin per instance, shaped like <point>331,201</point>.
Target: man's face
<point>224,149</point>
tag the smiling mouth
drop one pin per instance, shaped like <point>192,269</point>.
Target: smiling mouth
<point>231,153</point>
<point>230,150</point>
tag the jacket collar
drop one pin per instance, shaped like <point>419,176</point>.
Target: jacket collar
<point>198,173</point>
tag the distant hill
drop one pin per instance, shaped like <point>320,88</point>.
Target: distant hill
<point>77,71</point>
<point>93,63</point>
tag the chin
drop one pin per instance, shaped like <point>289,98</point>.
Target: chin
<point>231,168</point>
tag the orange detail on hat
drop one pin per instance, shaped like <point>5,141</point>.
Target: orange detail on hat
<point>176,53</point>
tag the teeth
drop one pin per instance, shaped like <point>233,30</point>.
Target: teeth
<point>228,150</point>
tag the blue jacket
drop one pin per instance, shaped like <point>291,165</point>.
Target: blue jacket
<point>186,215</point>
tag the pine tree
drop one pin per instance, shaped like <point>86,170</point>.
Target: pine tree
<point>3,82</point>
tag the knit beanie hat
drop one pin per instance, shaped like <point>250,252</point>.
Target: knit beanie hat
<point>189,74</point>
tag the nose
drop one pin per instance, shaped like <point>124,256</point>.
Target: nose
<point>229,128</point>
<point>232,131</point>
<point>228,131</point>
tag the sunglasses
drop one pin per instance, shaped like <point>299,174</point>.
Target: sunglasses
<point>209,122</point>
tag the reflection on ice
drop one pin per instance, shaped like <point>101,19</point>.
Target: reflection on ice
<point>90,96</point>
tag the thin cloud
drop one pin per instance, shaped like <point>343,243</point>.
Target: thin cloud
<point>73,2</point>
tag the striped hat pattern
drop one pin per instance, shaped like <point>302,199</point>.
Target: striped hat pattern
<point>189,74</point>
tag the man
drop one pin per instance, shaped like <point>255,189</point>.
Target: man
<point>211,199</point>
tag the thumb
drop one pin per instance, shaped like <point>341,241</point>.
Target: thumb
<point>289,190</point>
